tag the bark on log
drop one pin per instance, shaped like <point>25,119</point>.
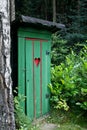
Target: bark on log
<point>7,121</point>
<point>12,10</point>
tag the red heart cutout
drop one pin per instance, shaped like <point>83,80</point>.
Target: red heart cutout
<point>37,61</point>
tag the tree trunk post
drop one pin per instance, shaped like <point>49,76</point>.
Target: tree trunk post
<point>7,121</point>
<point>54,10</point>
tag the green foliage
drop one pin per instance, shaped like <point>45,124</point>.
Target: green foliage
<point>76,28</point>
<point>62,47</point>
<point>22,121</point>
<point>75,41</point>
<point>59,49</point>
<point>69,82</point>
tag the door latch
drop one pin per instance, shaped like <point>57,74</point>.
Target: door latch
<point>47,95</point>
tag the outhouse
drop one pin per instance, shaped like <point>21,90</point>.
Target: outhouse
<point>33,50</point>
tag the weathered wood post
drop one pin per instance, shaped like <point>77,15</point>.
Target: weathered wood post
<point>6,100</point>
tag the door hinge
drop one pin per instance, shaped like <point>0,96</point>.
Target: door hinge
<point>47,52</point>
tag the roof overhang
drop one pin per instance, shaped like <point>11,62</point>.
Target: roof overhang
<point>38,23</point>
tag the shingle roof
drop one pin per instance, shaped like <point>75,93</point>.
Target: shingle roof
<point>52,26</point>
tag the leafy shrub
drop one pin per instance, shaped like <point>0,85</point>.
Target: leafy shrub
<point>22,121</point>
<point>69,82</point>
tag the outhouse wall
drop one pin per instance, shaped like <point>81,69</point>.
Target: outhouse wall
<point>34,47</point>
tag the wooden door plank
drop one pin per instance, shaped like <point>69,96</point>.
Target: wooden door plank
<point>21,68</point>
<point>29,80</point>
<point>45,76</point>
<point>37,78</point>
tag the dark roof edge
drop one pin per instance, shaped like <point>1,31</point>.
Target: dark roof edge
<point>52,26</point>
<point>33,20</point>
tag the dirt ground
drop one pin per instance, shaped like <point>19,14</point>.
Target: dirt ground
<point>44,125</point>
<point>48,126</point>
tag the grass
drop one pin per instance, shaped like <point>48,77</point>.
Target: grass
<point>70,126</point>
<point>68,120</point>
<point>65,120</point>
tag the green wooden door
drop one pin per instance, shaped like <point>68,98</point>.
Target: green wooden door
<point>33,83</point>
